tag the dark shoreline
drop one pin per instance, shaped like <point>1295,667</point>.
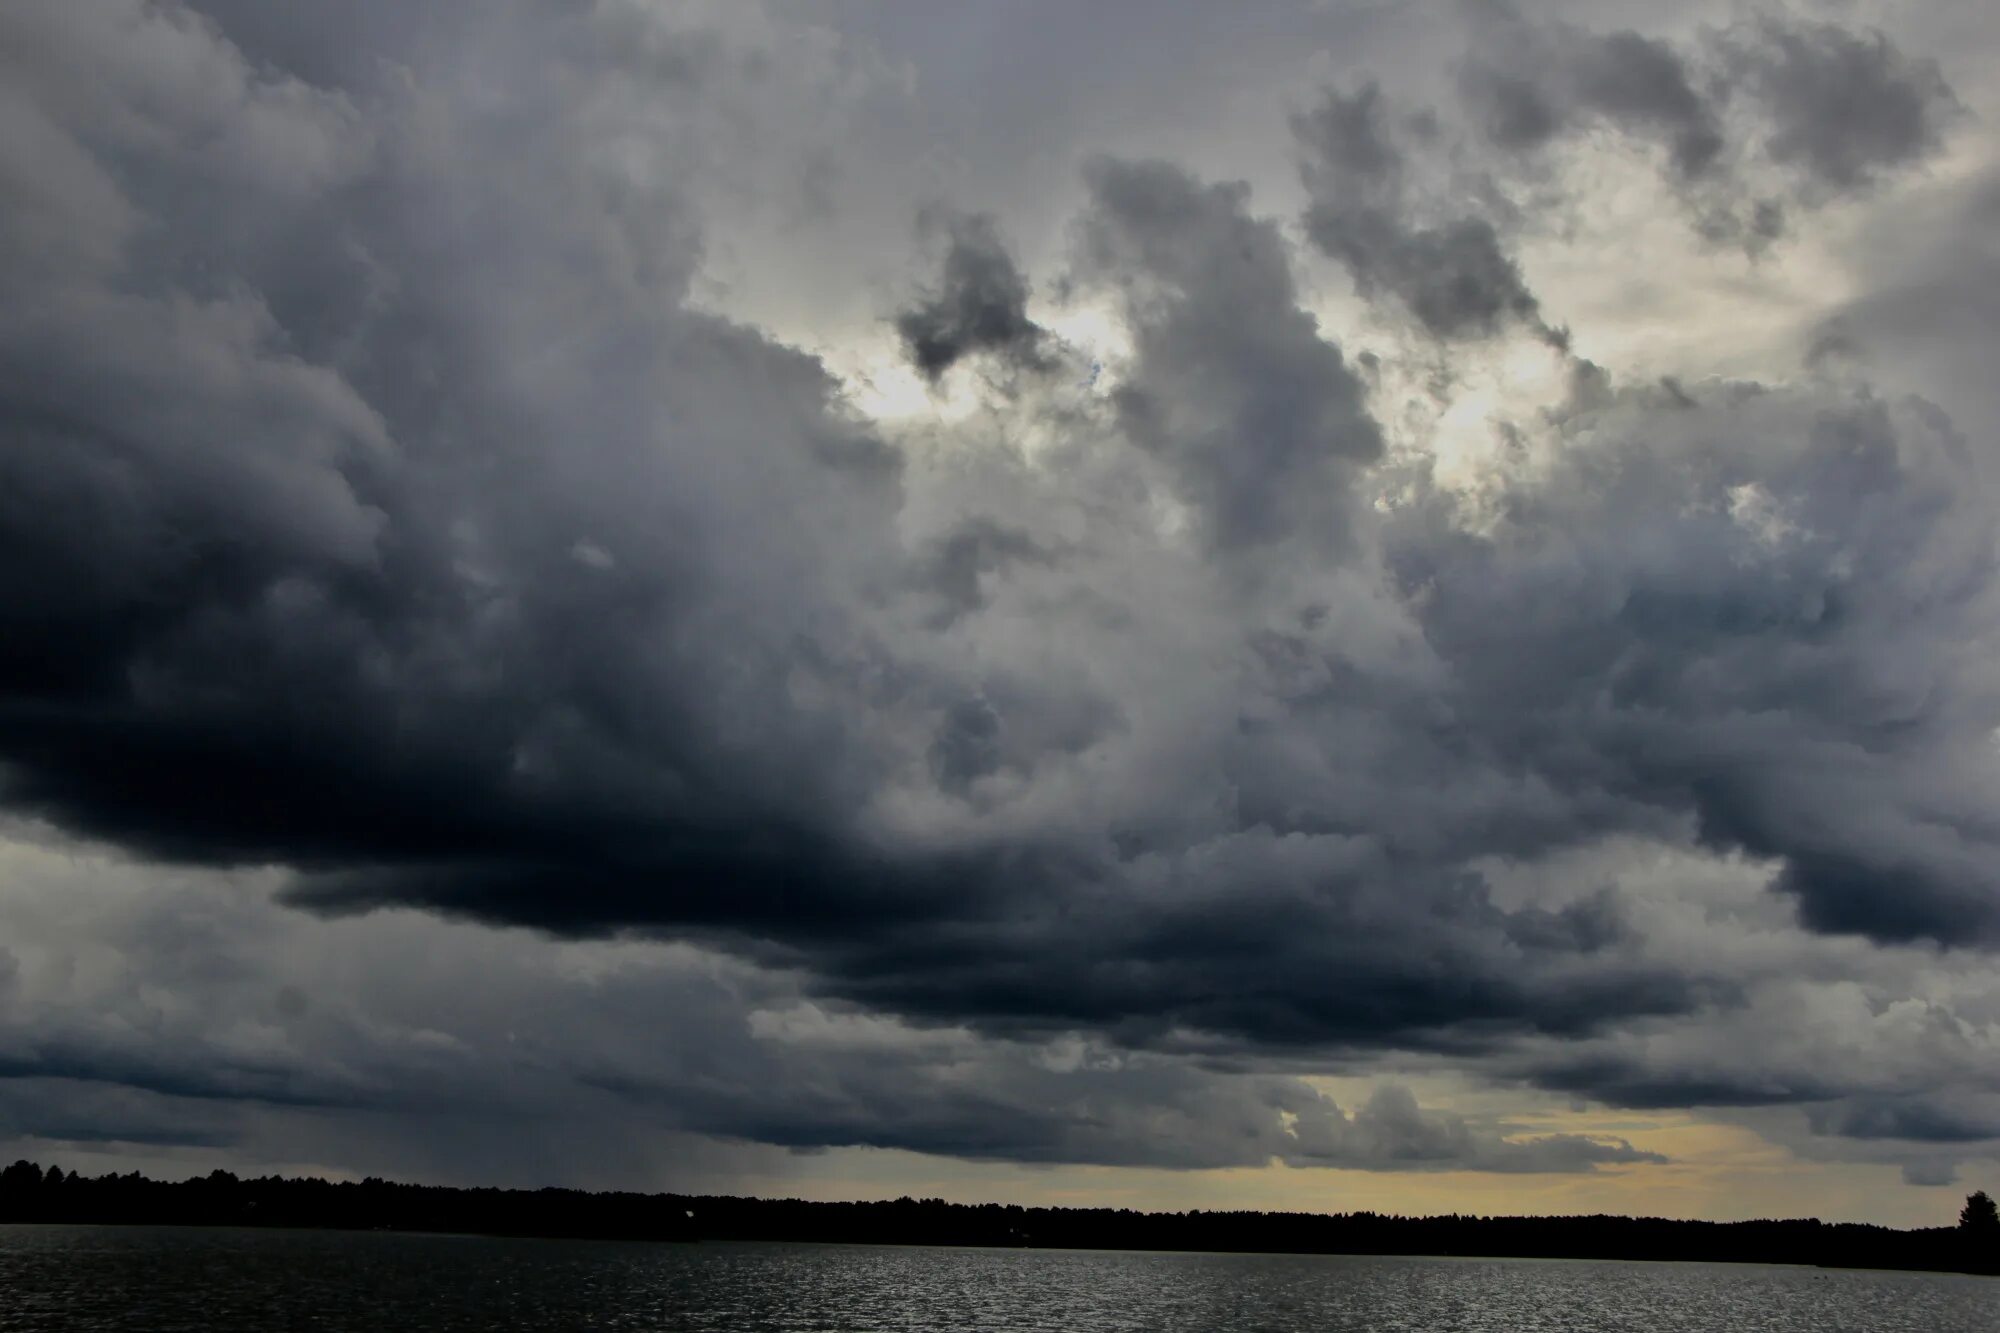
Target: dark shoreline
<point>249,1228</point>
<point>30,1194</point>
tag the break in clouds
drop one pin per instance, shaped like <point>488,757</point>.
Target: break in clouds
<point>396,516</point>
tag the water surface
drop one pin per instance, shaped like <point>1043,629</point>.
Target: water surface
<point>163,1280</point>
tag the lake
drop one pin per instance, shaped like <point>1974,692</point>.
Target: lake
<point>80,1279</point>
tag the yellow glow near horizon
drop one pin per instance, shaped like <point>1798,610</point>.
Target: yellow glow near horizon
<point>1720,1172</point>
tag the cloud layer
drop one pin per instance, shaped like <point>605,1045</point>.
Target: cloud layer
<point>384,502</point>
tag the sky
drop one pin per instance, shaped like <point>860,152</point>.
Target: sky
<point>1305,604</point>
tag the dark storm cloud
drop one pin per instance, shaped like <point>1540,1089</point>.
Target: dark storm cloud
<point>56,1110</point>
<point>168,1073</point>
<point>1148,945</point>
<point>1259,941</point>
<point>980,306</point>
<point>465,1029</point>
<point>404,525</point>
<point>1850,1090</point>
<point>1632,1082</point>
<point>257,603</point>
<point>1922,1120</point>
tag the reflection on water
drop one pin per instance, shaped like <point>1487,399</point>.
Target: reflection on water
<point>160,1279</point>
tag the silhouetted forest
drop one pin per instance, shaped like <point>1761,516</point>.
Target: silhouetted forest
<point>30,1194</point>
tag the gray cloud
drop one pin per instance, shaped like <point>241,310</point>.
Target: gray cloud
<point>1931,306</point>
<point>980,306</point>
<point>1528,84</point>
<point>1391,1132</point>
<point>1842,107</point>
<point>1259,420</point>
<point>959,563</point>
<point>1835,109</point>
<point>1930,1173</point>
<point>967,747</point>
<point>1736,627</point>
<point>1454,276</point>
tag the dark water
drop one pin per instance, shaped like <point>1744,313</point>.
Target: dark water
<point>91,1278</point>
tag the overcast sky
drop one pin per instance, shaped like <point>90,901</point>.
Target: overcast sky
<point>1302,604</point>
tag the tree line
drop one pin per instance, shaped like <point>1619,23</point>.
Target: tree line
<point>28,1193</point>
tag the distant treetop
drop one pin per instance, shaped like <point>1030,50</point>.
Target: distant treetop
<point>1979,1213</point>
